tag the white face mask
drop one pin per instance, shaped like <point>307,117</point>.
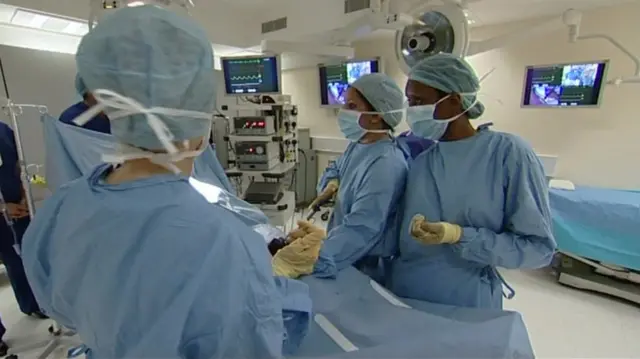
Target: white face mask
<point>126,106</point>
<point>422,121</point>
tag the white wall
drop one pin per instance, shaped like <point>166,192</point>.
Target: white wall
<point>595,146</point>
<point>37,77</point>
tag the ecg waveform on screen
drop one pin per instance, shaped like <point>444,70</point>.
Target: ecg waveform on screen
<point>248,77</point>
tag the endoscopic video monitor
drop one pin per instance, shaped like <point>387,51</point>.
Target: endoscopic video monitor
<point>335,79</point>
<point>564,85</point>
<point>252,75</point>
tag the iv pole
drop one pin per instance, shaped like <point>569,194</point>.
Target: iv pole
<point>24,176</point>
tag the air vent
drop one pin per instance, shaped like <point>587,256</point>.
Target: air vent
<point>356,5</point>
<point>274,25</point>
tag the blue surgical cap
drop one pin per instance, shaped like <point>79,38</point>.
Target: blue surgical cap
<point>81,88</point>
<point>157,58</point>
<point>383,94</point>
<point>450,74</point>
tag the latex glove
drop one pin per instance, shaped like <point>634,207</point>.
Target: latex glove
<point>304,228</point>
<point>329,192</point>
<point>434,233</point>
<point>299,257</point>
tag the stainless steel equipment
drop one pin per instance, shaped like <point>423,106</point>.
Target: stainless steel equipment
<point>258,155</point>
<point>219,133</point>
<point>306,169</point>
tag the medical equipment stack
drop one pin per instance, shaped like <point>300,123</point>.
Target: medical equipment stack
<point>263,141</point>
<point>264,144</point>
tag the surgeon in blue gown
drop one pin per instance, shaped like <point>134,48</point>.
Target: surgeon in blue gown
<point>18,213</point>
<point>368,179</point>
<point>100,123</point>
<point>475,201</point>
<point>132,256</point>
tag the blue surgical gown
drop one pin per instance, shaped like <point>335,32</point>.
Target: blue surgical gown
<point>364,221</point>
<point>99,123</point>
<point>152,269</point>
<point>493,186</point>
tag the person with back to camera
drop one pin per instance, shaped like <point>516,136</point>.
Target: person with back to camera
<point>475,201</point>
<point>132,257</point>
<point>368,179</point>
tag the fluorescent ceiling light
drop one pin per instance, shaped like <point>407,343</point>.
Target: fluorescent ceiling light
<point>28,19</point>
<point>135,3</point>
<point>56,24</point>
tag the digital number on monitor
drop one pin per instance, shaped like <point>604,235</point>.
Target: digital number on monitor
<point>564,85</point>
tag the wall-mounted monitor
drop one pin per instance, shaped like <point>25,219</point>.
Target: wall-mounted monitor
<point>564,85</point>
<point>252,75</point>
<point>335,79</point>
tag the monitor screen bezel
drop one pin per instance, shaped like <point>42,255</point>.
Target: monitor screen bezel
<point>602,85</point>
<point>321,65</point>
<point>278,58</point>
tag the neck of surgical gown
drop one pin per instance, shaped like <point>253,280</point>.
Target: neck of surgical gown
<point>72,152</point>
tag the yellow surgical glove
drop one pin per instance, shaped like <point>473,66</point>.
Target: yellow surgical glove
<point>299,257</point>
<point>329,192</point>
<point>304,228</point>
<point>434,233</point>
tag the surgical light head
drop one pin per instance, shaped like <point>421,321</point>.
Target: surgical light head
<point>161,63</point>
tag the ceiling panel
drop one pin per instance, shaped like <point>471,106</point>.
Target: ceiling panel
<point>492,12</point>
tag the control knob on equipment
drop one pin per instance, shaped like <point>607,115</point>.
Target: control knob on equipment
<point>259,150</point>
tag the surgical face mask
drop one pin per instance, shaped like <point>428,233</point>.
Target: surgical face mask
<point>123,107</point>
<point>422,121</point>
<point>349,123</point>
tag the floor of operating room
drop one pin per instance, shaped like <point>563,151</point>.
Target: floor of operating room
<point>562,322</point>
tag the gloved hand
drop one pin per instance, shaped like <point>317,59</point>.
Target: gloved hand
<point>329,192</point>
<point>434,233</point>
<point>299,257</point>
<point>304,228</point>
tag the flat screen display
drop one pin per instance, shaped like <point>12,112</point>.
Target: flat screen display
<point>564,85</point>
<point>335,79</point>
<point>246,76</point>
